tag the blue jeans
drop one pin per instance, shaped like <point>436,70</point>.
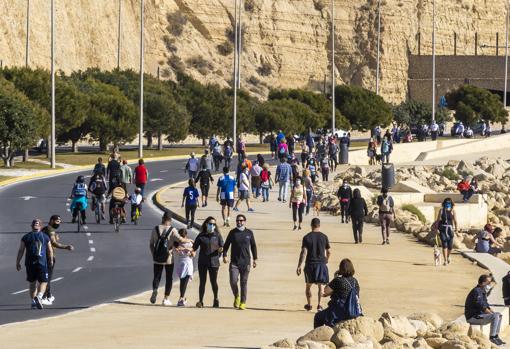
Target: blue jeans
<point>284,189</point>
<point>192,174</point>
<point>265,193</point>
<point>467,194</point>
<point>309,194</point>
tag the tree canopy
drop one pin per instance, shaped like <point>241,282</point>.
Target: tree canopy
<point>413,112</point>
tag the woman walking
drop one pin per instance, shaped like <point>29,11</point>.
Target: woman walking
<point>308,183</point>
<point>266,182</point>
<point>341,303</point>
<point>190,195</point>
<point>372,151</point>
<point>298,202</point>
<point>357,210</point>
<point>183,265</point>
<point>447,224</point>
<point>210,243</point>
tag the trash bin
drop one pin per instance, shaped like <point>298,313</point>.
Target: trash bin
<point>388,175</point>
<point>344,154</point>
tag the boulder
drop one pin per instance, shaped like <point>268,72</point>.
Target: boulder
<point>432,320</point>
<point>365,344</point>
<point>420,327</point>
<point>479,338</point>
<point>457,344</point>
<point>421,343</point>
<point>283,343</point>
<point>323,333</point>
<point>496,170</point>
<point>465,168</point>
<point>362,325</point>
<point>454,327</point>
<point>342,338</point>
<point>316,345</point>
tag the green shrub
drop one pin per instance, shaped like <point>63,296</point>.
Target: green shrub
<point>416,211</point>
<point>450,173</point>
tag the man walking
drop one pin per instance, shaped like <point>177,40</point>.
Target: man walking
<point>242,242</point>
<point>192,166</point>
<point>126,175</point>
<point>244,188</point>
<point>386,214</point>
<point>113,173</point>
<point>283,177</point>
<point>478,311</point>
<point>206,161</point>
<point>51,231</point>
<point>344,194</point>
<point>39,255</point>
<point>225,195</point>
<point>315,252</point>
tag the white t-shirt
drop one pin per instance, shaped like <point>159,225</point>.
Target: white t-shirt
<point>244,182</point>
<point>136,199</point>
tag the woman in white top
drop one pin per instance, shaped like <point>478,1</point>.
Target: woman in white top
<point>183,264</point>
<point>298,202</point>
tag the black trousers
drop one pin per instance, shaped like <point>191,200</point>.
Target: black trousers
<point>183,285</point>
<point>344,207</point>
<point>47,293</point>
<point>158,272</point>
<point>213,276</point>
<point>357,228</point>
<point>190,213</point>
<point>297,211</point>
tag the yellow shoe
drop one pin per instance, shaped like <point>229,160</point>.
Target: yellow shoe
<point>242,306</point>
<point>237,302</point>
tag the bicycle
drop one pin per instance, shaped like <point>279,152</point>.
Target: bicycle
<point>136,216</point>
<point>117,218</point>
<point>97,211</point>
<point>78,210</point>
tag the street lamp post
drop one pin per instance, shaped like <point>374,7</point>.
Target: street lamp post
<point>236,46</point>
<point>333,108</point>
<point>140,133</point>
<point>378,46</point>
<point>240,45</point>
<point>119,30</point>
<point>433,60</point>
<point>52,160</point>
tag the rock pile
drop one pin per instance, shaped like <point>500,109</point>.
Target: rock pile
<point>416,331</point>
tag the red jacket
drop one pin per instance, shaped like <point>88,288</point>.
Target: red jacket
<point>463,186</point>
<point>141,174</point>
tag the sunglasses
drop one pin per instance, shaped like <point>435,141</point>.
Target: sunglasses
<point>239,220</point>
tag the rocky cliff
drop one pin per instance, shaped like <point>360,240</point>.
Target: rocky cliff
<point>285,41</point>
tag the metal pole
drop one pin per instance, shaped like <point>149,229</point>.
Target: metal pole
<point>333,108</point>
<point>234,126</point>
<point>53,160</point>
<point>378,45</point>
<point>119,30</point>
<point>140,133</point>
<point>506,58</point>
<point>27,44</point>
<point>497,44</point>
<point>433,60</point>
<point>240,45</point>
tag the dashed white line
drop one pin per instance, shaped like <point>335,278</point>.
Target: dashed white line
<point>163,171</point>
<point>57,279</point>
<point>92,249</point>
<point>18,292</point>
<point>77,269</point>
<point>86,227</point>
<point>90,259</point>
<point>88,234</point>
<point>68,210</point>
<point>68,204</point>
<point>91,242</point>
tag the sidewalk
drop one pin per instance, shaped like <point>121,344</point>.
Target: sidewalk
<point>399,279</point>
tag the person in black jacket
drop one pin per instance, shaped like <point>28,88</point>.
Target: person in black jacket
<point>478,311</point>
<point>243,242</point>
<point>205,178</point>
<point>506,288</point>
<point>210,243</point>
<point>344,195</point>
<point>113,173</point>
<point>357,211</point>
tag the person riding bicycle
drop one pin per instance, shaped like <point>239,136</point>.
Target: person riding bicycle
<point>80,199</point>
<point>97,186</point>
<point>136,200</point>
<point>118,200</point>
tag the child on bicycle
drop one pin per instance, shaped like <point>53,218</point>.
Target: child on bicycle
<point>80,200</point>
<point>97,186</point>
<point>183,264</point>
<point>136,203</point>
<point>118,200</point>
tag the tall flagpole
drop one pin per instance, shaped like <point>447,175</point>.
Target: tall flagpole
<point>140,127</point>
<point>378,46</point>
<point>236,46</point>
<point>433,61</point>
<point>333,83</point>
<point>240,45</point>
<point>119,30</point>
<point>52,160</point>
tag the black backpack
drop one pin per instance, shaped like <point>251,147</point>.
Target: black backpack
<point>100,188</point>
<point>162,248</point>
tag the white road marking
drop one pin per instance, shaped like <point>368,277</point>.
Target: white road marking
<point>57,279</point>
<point>88,234</point>
<point>68,210</point>
<point>18,292</point>
<point>87,176</point>
<point>91,258</point>
<point>26,198</point>
<point>86,227</point>
<point>77,269</point>
<point>92,249</point>
<point>68,204</point>
<point>155,179</point>
<point>91,242</point>
<point>68,199</point>
<point>163,171</point>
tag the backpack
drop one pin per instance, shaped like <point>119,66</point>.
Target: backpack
<point>99,188</point>
<point>282,150</point>
<point>385,147</point>
<point>80,189</point>
<point>162,246</point>
<point>264,176</point>
<point>385,204</point>
<point>228,151</point>
<point>352,305</point>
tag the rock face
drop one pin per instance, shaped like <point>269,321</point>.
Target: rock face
<point>281,36</point>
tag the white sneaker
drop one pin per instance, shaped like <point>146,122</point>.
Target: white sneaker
<point>47,301</point>
<point>166,302</point>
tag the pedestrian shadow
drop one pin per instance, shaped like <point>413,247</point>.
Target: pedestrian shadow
<point>24,307</point>
<point>352,243</point>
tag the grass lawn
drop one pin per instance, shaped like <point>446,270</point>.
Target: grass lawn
<point>89,158</point>
<point>28,166</point>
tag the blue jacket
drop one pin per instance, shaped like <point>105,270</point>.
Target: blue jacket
<point>476,303</point>
<point>284,172</point>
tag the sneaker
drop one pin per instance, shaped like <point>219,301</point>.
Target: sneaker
<point>51,299</point>
<point>496,341</point>
<point>38,302</point>
<point>448,261</point>
<point>319,308</point>
<point>102,217</point>
<point>235,209</point>
<point>308,307</point>
<point>199,305</point>
<point>299,228</point>
<point>251,210</point>
<point>46,301</point>
<point>166,302</point>
<point>500,340</point>
<point>279,199</point>
<point>216,303</point>
<point>387,241</point>
<point>182,302</point>
<point>33,305</point>
<point>295,227</point>
<point>284,201</point>
<point>237,302</point>
<point>242,306</point>
<point>154,296</point>
<point>384,242</point>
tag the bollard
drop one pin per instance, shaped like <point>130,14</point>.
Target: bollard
<point>388,176</point>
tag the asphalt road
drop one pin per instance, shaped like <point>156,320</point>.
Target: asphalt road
<point>104,267</point>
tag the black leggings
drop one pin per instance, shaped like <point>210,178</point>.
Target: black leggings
<point>344,209</point>
<point>184,285</point>
<point>190,210</point>
<point>357,228</point>
<point>202,275</point>
<point>158,271</point>
<point>297,210</point>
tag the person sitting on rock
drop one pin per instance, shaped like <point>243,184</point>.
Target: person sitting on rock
<point>344,292</point>
<point>478,311</point>
<point>465,189</point>
<point>486,243</point>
